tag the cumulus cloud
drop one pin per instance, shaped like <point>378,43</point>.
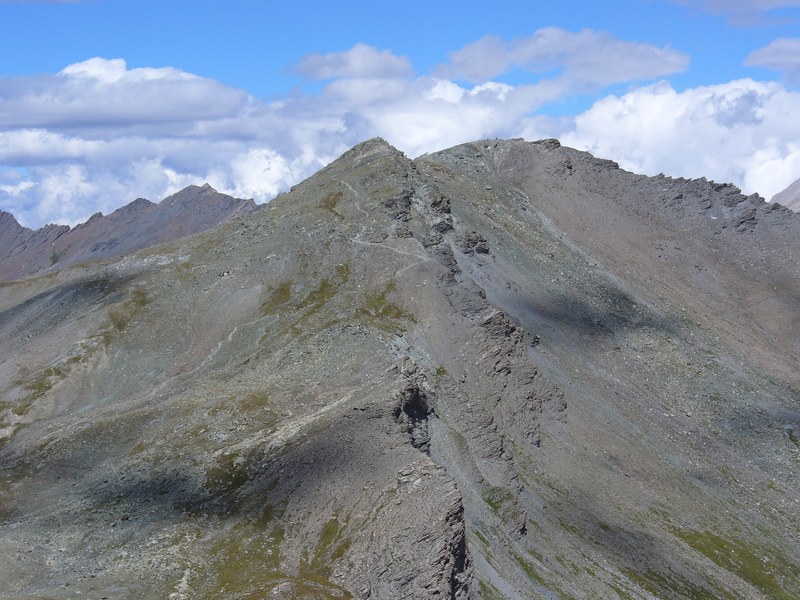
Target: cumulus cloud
<point>99,134</point>
<point>360,61</point>
<point>585,58</point>
<point>32,146</point>
<point>17,189</point>
<point>744,132</point>
<point>781,55</point>
<point>105,93</point>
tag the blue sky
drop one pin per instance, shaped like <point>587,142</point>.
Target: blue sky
<point>102,101</point>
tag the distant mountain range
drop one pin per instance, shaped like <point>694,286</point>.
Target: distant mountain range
<point>138,225</point>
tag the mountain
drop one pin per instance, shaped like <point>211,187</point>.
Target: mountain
<point>790,197</point>
<point>138,225</point>
<point>503,370</point>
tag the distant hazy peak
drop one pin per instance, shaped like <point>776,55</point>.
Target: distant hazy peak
<point>790,197</point>
<point>139,224</point>
<point>7,220</point>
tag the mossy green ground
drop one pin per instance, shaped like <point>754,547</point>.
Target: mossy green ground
<point>768,571</point>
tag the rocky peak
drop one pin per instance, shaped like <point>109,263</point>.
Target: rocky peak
<point>366,152</point>
<point>139,204</point>
<point>8,222</point>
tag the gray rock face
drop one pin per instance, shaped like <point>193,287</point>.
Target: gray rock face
<point>790,197</point>
<point>138,225</point>
<point>505,370</point>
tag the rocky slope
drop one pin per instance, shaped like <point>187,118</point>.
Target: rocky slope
<point>505,370</point>
<point>790,197</point>
<point>138,225</point>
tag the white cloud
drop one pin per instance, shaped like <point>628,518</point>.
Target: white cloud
<point>773,168</point>
<point>83,159</point>
<point>781,55</point>
<point>744,132</point>
<point>100,69</point>
<point>17,189</point>
<point>360,61</point>
<point>104,93</point>
<point>23,146</point>
<point>62,191</point>
<point>586,58</point>
<point>445,90</point>
<point>99,134</point>
<point>262,172</point>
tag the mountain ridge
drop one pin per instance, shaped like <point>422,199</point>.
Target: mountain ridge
<point>137,225</point>
<point>504,370</point>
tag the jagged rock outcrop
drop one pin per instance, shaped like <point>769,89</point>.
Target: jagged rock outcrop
<point>504,370</point>
<point>140,224</point>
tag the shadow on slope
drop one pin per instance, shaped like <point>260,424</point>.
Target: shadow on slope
<point>64,300</point>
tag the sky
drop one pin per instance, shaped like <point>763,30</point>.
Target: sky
<point>104,101</point>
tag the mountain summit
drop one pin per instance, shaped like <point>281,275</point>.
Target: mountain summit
<point>503,370</point>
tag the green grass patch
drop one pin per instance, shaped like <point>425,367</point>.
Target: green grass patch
<point>44,381</point>
<point>22,408</point>
<point>538,556</point>
<point>333,544</point>
<point>529,569</point>
<point>329,202</point>
<point>140,298</point>
<point>770,572</point>
<point>121,315</point>
<point>623,595</point>
<point>662,586</point>
<point>228,474</point>
<point>378,311</point>
<point>277,298</point>
<point>793,438</point>
<point>496,497</point>
<point>255,401</point>
<point>119,318</point>
<point>319,297</point>
<point>481,537</point>
<point>343,272</point>
<point>489,592</point>
<point>327,289</point>
<point>245,561</point>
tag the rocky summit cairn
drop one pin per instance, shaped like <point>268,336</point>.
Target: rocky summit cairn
<point>503,370</point>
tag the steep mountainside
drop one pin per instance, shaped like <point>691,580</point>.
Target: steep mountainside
<point>790,197</point>
<point>138,225</point>
<point>505,370</point>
